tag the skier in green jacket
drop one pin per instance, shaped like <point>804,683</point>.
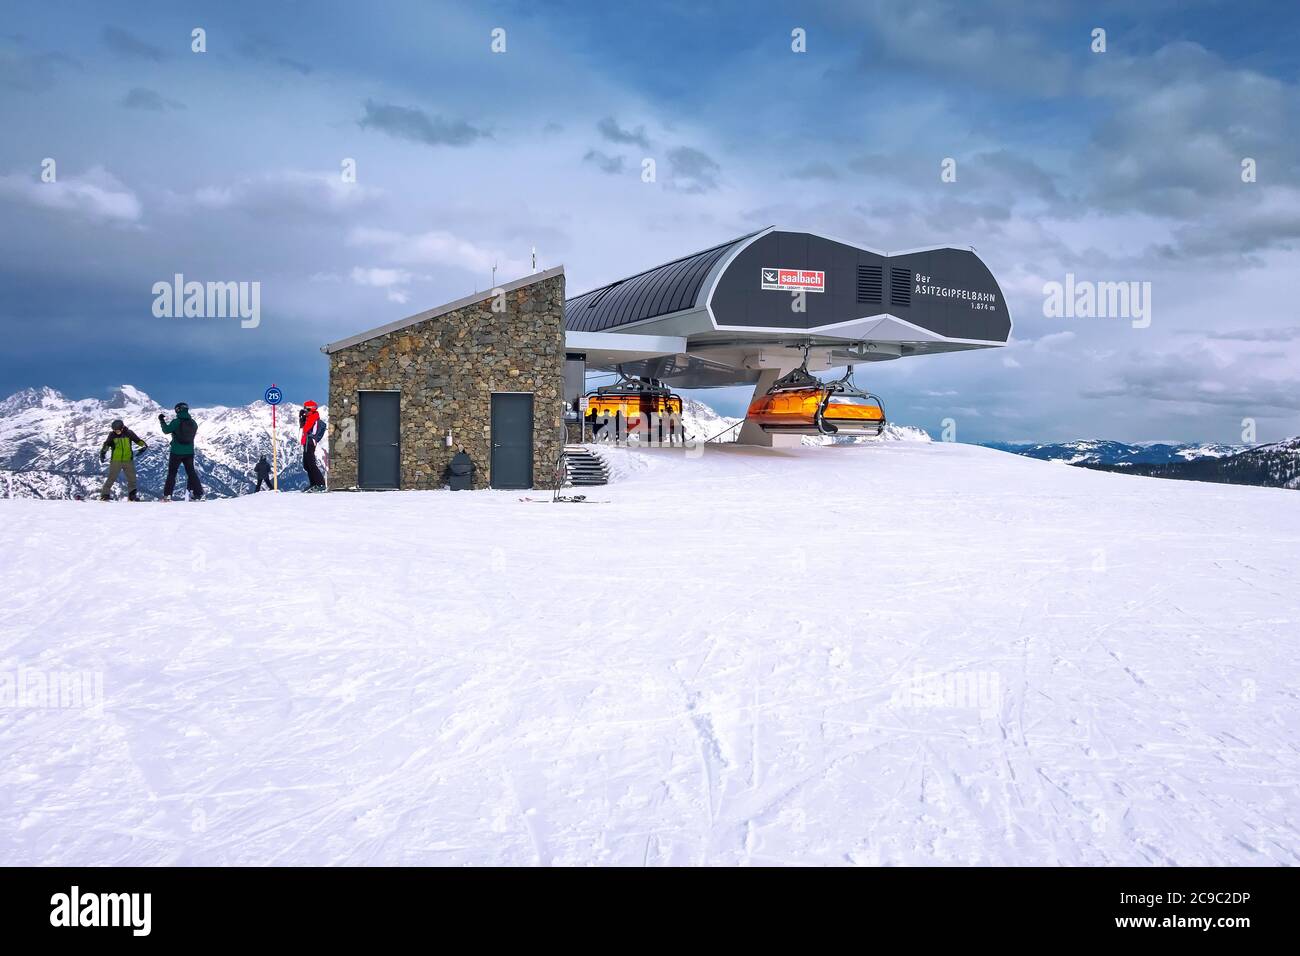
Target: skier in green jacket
<point>182,429</point>
<point>120,442</point>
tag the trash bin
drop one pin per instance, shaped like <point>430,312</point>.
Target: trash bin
<point>460,473</point>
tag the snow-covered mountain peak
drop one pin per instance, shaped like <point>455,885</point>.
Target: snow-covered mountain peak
<point>42,397</point>
<point>128,396</point>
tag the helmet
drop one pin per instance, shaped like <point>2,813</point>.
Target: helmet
<point>118,424</point>
<point>309,404</point>
<point>181,407</point>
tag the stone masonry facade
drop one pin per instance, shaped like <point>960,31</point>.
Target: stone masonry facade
<point>446,367</point>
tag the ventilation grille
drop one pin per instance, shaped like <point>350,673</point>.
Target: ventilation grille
<point>871,285</point>
<point>900,287</point>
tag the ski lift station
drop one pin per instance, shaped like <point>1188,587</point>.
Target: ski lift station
<point>501,374</point>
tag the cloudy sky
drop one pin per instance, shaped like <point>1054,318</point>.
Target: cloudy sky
<point>226,165</point>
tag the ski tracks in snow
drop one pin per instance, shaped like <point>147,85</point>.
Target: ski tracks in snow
<point>968,657</point>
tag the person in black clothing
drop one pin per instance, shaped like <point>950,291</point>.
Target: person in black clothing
<point>182,428</point>
<point>263,471</point>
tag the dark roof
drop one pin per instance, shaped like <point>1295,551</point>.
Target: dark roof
<point>661,290</point>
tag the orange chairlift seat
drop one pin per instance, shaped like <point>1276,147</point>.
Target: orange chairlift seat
<point>629,400</point>
<point>800,403</point>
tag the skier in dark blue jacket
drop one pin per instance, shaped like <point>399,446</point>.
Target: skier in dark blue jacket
<point>263,471</point>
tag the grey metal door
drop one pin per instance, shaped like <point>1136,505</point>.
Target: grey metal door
<point>378,440</point>
<point>512,440</point>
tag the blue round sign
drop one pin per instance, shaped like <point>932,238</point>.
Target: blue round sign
<point>273,396</point>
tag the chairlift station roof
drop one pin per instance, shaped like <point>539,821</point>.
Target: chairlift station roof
<point>729,311</point>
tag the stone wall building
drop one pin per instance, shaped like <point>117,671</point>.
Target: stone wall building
<point>488,370</point>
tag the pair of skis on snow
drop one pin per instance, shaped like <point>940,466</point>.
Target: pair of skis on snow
<point>565,499</point>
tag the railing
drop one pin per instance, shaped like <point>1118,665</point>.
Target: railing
<point>723,432</point>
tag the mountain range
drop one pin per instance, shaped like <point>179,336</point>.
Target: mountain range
<point>49,444</point>
<point>1101,452</point>
<point>1275,465</point>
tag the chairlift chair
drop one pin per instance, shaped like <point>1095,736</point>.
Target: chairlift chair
<point>802,404</point>
<point>634,398</point>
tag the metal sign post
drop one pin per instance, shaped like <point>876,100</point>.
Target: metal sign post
<point>273,397</point>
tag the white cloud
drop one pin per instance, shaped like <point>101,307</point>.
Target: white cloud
<point>1239,380</point>
<point>291,190</point>
<point>97,194</point>
<point>381,278</point>
<point>1050,341</point>
<point>392,281</point>
<point>439,248</point>
<point>949,40</point>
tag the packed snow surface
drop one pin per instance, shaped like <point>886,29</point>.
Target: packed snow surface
<point>885,653</point>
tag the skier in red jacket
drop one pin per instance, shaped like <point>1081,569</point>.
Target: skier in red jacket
<point>313,430</point>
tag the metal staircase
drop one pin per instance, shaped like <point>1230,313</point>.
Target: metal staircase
<point>584,466</point>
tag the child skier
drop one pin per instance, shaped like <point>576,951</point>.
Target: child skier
<point>313,430</point>
<point>182,428</point>
<point>120,442</point>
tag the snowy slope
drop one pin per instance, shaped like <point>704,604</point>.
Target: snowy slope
<point>901,652</point>
<point>49,444</point>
